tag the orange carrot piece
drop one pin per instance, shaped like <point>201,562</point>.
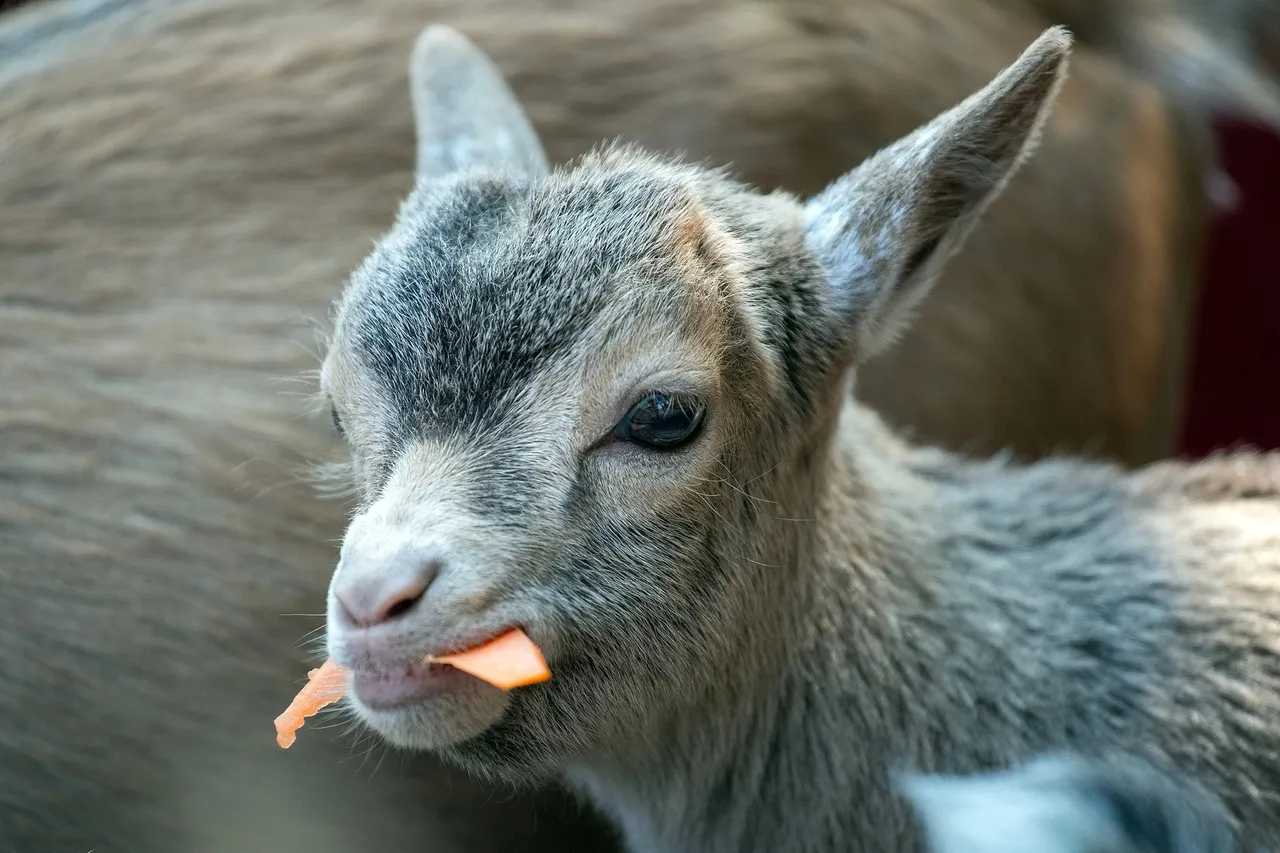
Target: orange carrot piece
<point>325,686</point>
<point>512,660</point>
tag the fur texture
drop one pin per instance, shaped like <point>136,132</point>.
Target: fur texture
<point>750,629</point>
<point>185,184</point>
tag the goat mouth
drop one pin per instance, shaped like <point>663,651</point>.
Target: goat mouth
<point>405,686</point>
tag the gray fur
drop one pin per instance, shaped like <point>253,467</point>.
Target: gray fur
<point>749,632</point>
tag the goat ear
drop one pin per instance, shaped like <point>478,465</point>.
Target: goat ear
<point>466,114</point>
<point>883,231</point>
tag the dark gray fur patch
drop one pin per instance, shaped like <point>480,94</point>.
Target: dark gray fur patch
<point>487,279</point>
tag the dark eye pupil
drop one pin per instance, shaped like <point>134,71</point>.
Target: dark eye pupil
<point>661,421</point>
<point>337,421</point>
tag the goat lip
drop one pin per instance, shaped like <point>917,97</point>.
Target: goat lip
<point>386,690</point>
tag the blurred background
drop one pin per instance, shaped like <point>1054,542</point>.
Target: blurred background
<point>184,186</point>
<point>1235,350</point>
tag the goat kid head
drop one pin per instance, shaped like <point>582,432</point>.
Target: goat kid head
<point>595,402</point>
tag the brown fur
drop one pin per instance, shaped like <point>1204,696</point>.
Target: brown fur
<point>180,190</point>
<point>1225,52</point>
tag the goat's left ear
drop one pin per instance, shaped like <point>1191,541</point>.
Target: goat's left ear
<point>466,114</point>
<point>883,231</point>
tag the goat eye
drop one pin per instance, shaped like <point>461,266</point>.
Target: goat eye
<point>662,421</point>
<point>337,421</point>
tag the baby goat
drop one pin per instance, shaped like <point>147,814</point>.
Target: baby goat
<point>609,404</point>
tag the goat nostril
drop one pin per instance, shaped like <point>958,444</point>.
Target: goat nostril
<point>389,592</point>
<point>403,606</point>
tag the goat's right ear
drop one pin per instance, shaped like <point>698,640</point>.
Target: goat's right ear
<point>883,231</point>
<point>466,114</point>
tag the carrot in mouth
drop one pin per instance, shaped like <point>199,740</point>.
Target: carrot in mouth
<point>509,661</point>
